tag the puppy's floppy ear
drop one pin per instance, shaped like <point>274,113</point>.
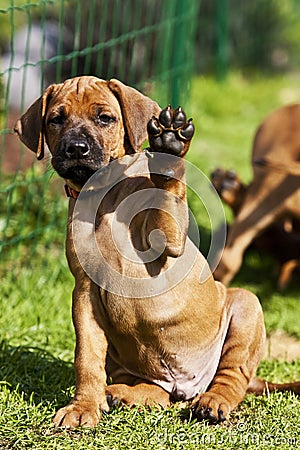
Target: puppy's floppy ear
<point>137,110</point>
<point>30,127</point>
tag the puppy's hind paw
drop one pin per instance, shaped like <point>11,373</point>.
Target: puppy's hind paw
<point>211,408</point>
<point>170,132</point>
<point>207,415</point>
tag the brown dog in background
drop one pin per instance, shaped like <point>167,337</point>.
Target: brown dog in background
<point>193,340</point>
<point>273,194</point>
<point>280,240</point>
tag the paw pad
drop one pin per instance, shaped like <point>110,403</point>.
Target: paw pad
<point>170,132</point>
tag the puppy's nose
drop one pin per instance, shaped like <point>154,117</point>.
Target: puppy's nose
<point>77,149</point>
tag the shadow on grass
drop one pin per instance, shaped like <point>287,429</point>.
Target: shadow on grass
<point>36,373</point>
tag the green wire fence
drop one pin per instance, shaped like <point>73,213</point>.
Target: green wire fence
<point>149,44</point>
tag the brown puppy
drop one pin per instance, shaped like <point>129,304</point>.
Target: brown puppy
<point>165,330</point>
<point>274,192</point>
<point>281,239</point>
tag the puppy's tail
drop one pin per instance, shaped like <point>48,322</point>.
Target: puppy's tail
<point>261,387</point>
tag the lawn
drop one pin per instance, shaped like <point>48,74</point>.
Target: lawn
<point>37,338</point>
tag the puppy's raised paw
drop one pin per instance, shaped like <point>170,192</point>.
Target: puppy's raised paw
<point>171,132</point>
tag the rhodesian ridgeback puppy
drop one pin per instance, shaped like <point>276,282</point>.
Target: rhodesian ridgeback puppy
<point>165,330</point>
<point>281,239</point>
<point>274,192</point>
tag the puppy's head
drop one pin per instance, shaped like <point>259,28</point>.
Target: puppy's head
<point>86,122</point>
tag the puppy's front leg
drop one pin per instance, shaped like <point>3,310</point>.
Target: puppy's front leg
<point>169,136</point>
<point>90,355</point>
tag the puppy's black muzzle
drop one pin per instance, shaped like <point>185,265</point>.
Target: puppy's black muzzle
<point>77,149</point>
<point>77,158</point>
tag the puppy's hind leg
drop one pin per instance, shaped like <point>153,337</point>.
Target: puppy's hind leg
<point>132,390</point>
<point>142,393</point>
<point>241,354</point>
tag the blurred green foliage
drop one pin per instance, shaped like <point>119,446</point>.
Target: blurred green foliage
<point>262,34</point>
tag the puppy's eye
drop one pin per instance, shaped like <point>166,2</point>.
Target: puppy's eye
<point>56,120</point>
<point>105,119</point>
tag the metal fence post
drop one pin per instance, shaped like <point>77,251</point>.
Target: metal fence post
<point>222,39</point>
<point>183,53</point>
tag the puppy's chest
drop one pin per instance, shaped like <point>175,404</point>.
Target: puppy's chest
<point>169,349</point>
<point>140,316</point>
<point>142,335</point>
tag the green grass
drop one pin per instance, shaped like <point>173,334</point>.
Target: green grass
<point>37,338</point>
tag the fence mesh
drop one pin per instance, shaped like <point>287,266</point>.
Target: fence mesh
<point>148,44</point>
